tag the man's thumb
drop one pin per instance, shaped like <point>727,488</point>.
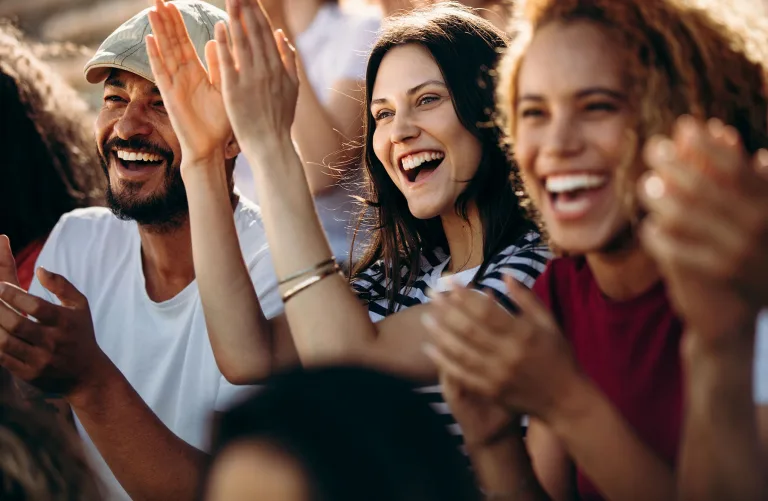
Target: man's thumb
<point>60,287</point>
<point>7,262</point>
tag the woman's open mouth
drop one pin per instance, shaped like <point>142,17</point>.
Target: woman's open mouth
<point>418,166</point>
<point>573,195</point>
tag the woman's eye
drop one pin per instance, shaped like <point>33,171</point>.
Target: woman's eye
<point>601,106</point>
<point>531,112</point>
<point>113,99</point>
<point>381,115</point>
<point>428,99</point>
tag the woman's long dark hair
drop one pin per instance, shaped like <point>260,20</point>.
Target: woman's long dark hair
<point>50,165</point>
<point>356,433</point>
<point>466,49</point>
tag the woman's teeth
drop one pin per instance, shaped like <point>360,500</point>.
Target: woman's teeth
<point>564,183</point>
<point>134,156</point>
<point>416,160</point>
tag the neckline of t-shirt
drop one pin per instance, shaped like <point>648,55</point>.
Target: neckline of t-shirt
<point>174,302</point>
<point>187,292</point>
<point>438,278</point>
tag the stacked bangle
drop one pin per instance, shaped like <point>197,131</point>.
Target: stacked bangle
<point>311,275</point>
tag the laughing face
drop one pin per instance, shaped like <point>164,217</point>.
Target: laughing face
<point>419,139</point>
<point>572,134</point>
<point>140,153</point>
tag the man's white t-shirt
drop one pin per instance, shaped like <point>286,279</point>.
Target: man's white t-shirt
<point>162,349</point>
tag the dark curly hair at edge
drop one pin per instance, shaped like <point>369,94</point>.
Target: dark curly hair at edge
<point>50,165</point>
<point>466,49</point>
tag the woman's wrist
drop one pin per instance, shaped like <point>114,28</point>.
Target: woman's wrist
<point>576,403</point>
<point>503,467</point>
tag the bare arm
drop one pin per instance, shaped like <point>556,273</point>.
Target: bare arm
<point>603,445</point>
<point>722,456</point>
<point>522,362</point>
<point>148,460</point>
<point>326,135</point>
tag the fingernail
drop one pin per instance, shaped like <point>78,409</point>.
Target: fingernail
<point>428,348</point>
<point>664,150</point>
<point>762,157</point>
<point>428,320</point>
<point>654,187</point>
<point>716,127</point>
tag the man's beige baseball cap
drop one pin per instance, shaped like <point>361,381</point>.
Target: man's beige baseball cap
<point>125,49</point>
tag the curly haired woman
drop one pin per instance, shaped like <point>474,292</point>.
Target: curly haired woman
<point>585,88</point>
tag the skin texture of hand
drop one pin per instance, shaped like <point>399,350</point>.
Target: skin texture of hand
<point>707,225</point>
<point>192,97</point>
<point>58,353</point>
<point>482,421</point>
<point>259,75</point>
<point>521,362</point>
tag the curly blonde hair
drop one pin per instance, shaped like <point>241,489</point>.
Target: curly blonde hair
<point>697,57</point>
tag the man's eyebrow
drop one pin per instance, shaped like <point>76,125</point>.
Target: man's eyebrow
<point>114,82</point>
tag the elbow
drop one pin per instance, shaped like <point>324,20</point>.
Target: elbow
<point>242,374</point>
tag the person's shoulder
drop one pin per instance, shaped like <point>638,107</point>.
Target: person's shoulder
<point>527,256</point>
<point>84,225</point>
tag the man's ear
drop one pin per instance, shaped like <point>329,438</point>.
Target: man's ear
<point>232,149</point>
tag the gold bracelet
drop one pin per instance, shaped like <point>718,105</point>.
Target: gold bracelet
<point>311,269</point>
<point>305,284</point>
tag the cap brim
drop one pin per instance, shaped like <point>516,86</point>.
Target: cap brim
<point>98,72</point>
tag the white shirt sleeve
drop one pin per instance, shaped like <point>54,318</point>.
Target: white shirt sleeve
<point>761,360</point>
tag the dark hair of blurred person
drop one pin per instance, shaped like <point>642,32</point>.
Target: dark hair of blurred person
<point>304,439</point>
<point>50,165</point>
<point>40,461</point>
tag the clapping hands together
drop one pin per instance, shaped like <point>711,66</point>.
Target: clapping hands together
<point>249,90</point>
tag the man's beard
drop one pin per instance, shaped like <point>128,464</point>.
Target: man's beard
<point>164,210</point>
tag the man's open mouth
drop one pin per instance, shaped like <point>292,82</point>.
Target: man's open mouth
<point>137,160</point>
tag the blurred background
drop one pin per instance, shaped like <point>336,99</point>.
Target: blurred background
<point>66,33</point>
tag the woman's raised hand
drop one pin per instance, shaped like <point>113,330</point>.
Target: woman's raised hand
<point>192,99</point>
<point>520,362</point>
<point>259,75</point>
<point>707,225</point>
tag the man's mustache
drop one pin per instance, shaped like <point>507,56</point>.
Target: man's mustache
<point>137,144</point>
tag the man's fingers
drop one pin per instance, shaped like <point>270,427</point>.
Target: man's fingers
<point>162,77</point>
<point>25,303</point>
<point>186,48</point>
<point>214,67</point>
<point>62,289</point>
<point>7,262</point>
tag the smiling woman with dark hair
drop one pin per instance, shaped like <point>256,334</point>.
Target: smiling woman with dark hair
<point>439,190</point>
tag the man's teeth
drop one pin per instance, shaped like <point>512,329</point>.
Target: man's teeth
<point>573,182</point>
<point>134,156</point>
<point>412,161</point>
